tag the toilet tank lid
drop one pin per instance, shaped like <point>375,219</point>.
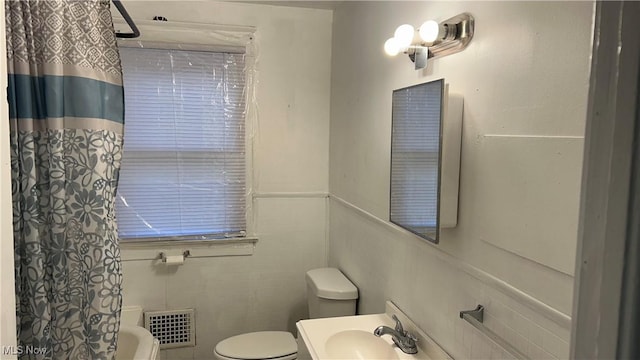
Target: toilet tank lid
<point>330,283</point>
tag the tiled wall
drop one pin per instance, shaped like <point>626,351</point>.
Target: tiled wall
<point>238,294</point>
<point>525,93</point>
<point>518,79</point>
<point>432,287</point>
<point>234,295</point>
<point>527,330</point>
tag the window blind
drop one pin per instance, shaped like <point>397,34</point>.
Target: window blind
<point>183,164</point>
<point>415,153</point>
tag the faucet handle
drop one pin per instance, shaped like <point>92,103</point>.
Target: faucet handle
<point>399,327</point>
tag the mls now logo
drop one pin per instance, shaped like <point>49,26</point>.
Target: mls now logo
<point>23,350</point>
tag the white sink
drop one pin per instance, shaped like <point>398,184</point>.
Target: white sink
<point>351,337</point>
<point>358,344</point>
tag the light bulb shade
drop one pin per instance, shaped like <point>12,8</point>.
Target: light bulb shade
<point>391,47</point>
<point>404,35</point>
<point>430,31</point>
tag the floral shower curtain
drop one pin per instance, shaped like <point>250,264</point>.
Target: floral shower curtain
<point>66,117</point>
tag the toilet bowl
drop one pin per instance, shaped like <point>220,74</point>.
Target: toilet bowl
<point>280,345</point>
<point>329,294</point>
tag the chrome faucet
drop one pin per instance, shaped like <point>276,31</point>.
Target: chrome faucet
<point>405,341</point>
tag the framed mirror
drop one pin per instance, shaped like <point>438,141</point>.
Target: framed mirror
<point>416,154</point>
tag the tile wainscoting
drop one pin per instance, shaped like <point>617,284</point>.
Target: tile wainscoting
<point>432,286</point>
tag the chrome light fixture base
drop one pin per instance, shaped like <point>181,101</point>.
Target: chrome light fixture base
<point>461,28</point>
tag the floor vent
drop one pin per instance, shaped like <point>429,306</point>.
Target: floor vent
<point>173,328</point>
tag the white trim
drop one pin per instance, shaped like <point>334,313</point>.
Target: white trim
<point>196,33</point>
<point>180,25</point>
<point>303,195</point>
<point>150,250</point>
<point>215,38</point>
<point>229,49</point>
<point>535,136</point>
<point>521,297</point>
<point>607,194</point>
<point>327,229</point>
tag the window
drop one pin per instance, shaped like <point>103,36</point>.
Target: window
<point>183,166</point>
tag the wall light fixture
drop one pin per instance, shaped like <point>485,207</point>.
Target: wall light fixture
<point>432,40</point>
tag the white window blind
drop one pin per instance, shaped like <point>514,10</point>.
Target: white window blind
<point>183,164</point>
<point>415,152</point>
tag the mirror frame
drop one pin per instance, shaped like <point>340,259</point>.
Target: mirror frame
<point>443,89</point>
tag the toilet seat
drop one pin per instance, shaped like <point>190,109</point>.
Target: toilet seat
<point>277,345</point>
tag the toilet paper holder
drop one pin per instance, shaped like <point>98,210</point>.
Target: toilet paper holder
<point>163,257</point>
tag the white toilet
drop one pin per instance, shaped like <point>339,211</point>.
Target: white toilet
<point>329,294</point>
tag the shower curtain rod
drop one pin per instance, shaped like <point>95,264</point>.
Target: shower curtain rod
<point>134,29</point>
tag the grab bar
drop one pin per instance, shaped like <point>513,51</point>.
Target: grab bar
<point>476,318</point>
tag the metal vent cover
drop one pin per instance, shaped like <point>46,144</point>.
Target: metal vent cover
<point>173,328</point>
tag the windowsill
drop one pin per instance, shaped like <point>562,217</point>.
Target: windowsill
<point>150,250</point>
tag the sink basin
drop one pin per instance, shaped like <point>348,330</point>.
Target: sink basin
<point>351,337</point>
<point>358,344</point>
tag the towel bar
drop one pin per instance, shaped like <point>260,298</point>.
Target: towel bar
<point>476,318</point>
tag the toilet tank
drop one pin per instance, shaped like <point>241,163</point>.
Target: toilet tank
<point>330,293</point>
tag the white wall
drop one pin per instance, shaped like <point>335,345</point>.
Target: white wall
<point>524,79</point>
<point>233,295</point>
